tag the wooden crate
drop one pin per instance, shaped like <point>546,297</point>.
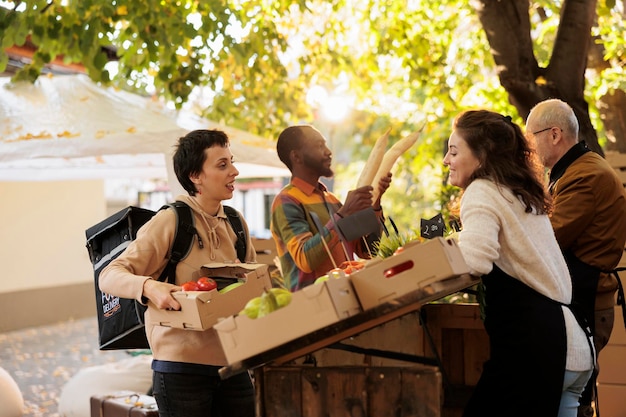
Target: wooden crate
<point>460,340</point>
<point>348,391</point>
<point>402,335</point>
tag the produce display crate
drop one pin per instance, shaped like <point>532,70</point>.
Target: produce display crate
<point>311,308</point>
<point>282,340</point>
<point>417,266</point>
<point>461,342</point>
<point>403,335</point>
<point>200,310</point>
<point>364,391</point>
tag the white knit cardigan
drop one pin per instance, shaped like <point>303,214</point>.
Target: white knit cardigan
<point>497,230</point>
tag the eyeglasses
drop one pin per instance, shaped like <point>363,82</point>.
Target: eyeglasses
<point>542,130</point>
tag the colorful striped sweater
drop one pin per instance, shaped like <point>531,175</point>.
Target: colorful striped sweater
<point>302,253</point>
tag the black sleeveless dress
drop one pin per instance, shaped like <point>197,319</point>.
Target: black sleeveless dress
<point>528,341</point>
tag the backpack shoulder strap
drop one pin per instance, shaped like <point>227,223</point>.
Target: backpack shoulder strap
<point>183,239</point>
<point>235,223</point>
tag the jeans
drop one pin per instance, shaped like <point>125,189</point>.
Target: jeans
<point>189,395</point>
<point>573,385</point>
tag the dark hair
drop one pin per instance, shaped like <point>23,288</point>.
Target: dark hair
<point>289,139</point>
<point>189,156</point>
<point>504,155</point>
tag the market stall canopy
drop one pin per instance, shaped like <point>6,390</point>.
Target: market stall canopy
<point>67,127</point>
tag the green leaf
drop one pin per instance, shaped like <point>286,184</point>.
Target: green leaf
<point>7,39</point>
<point>20,35</point>
<point>4,60</point>
<point>399,63</point>
<point>100,60</point>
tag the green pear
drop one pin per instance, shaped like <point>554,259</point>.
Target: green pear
<point>279,291</point>
<point>251,309</point>
<point>283,299</point>
<point>268,304</point>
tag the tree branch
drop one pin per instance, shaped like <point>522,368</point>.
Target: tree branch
<point>507,25</point>
<point>569,57</point>
<point>47,6</point>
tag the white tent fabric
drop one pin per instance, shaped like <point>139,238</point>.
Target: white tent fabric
<point>67,127</point>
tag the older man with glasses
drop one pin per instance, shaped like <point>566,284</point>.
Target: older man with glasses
<point>589,218</point>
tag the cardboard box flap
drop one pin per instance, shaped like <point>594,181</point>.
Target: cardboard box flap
<point>233,270</point>
<point>373,261</point>
<point>312,291</point>
<point>226,324</point>
<point>200,296</point>
<point>342,293</point>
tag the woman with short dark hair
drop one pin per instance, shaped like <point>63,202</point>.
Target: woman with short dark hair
<point>186,382</point>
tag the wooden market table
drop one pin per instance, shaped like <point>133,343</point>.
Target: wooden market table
<point>351,326</point>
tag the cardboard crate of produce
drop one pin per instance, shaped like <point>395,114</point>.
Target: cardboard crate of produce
<point>365,391</point>
<point>200,310</point>
<point>311,308</point>
<point>417,266</point>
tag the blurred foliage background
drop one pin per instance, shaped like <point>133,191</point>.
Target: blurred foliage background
<point>352,68</point>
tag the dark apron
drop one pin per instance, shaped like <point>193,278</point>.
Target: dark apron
<point>584,287</point>
<point>528,341</point>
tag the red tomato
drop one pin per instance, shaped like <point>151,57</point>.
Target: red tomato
<point>206,284</point>
<point>190,286</point>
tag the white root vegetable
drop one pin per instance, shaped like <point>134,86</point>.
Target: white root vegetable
<point>390,158</point>
<point>374,160</point>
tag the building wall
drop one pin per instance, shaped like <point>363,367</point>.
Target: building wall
<point>46,272</point>
<point>47,276</point>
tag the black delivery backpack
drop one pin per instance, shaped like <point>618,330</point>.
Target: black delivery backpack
<point>120,320</point>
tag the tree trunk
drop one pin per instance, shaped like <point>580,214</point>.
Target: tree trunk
<point>507,25</point>
<point>612,109</point>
